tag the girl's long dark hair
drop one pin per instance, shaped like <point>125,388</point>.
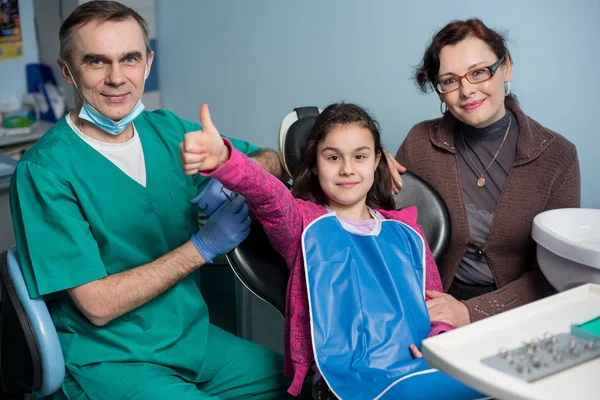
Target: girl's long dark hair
<point>306,184</point>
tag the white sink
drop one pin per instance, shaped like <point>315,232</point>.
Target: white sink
<point>568,246</point>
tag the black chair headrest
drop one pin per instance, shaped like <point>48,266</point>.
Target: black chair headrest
<point>293,135</point>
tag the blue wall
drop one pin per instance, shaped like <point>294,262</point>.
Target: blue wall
<point>254,61</point>
<point>12,72</point>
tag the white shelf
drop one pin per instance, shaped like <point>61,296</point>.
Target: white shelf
<point>38,131</point>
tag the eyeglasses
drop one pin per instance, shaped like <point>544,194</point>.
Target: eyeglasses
<point>477,75</point>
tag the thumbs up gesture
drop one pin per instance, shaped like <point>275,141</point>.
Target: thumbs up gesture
<point>203,150</point>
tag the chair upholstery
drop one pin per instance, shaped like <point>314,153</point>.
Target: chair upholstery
<point>264,272</point>
<point>260,268</point>
<point>32,359</point>
<point>433,214</point>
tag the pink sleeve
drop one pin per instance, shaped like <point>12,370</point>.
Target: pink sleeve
<point>432,282</point>
<point>269,199</point>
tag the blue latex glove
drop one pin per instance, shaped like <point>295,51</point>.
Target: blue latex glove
<point>213,196</point>
<point>224,230</point>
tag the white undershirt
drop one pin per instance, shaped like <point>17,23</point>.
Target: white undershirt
<point>128,156</point>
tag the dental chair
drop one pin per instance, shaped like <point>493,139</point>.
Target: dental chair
<point>32,362</point>
<point>264,272</point>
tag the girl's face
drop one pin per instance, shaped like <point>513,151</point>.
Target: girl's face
<point>346,163</point>
<point>476,104</point>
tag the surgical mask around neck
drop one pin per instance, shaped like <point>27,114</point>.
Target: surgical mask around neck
<point>92,115</point>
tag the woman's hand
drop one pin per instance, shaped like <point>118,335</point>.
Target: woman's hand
<point>203,150</point>
<point>395,170</point>
<point>415,352</point>
<point>444,308</point>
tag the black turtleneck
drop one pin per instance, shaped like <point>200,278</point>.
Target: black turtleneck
<point>480,202</point>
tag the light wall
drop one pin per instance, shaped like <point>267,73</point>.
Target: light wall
<point>254,61</point>
<point>13,81</point>
<point>147,9</point>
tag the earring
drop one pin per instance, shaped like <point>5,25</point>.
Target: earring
<point>442,104</point>
<point>506,88</point>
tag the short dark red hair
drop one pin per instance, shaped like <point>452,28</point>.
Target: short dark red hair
<point>454,32</point>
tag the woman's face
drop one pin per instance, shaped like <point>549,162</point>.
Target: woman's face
<point>480,104</point>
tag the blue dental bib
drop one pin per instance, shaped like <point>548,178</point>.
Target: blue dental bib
<point>367,305</point>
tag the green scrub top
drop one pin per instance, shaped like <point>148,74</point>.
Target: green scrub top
<point>78,218</point>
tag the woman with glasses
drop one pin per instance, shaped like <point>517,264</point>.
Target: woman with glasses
<point>495,168</point>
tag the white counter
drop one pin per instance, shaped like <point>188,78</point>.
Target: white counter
<point>458,353</point>
<point>38,131</point>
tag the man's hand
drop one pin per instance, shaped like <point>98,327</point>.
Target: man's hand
<point>444,308</point>
<point>270,162</point>
<point>213,196</point>
<point>395,170</point>
<point>203,150</point>
<point>224,230</point>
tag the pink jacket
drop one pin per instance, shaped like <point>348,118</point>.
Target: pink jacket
<point>284,218</point>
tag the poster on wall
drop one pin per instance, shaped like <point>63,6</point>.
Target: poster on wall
<point>11,42</point>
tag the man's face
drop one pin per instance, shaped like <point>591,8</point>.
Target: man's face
<point>109,65</point>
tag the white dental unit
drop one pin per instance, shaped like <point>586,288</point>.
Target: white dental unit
<point>548,349</point>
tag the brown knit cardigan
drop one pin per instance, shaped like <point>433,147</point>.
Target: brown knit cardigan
<point>544,176</point>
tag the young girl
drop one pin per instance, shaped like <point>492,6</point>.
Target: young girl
<point>358,267</point>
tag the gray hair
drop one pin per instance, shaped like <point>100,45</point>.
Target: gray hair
<point>102,11</point>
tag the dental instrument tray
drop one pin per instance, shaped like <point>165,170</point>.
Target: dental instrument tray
<point>461,352</point>
<point>541,357</point>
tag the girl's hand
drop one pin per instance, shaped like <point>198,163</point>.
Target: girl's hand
<point>395,170</point>
<point>203,150</point>
<point>415,352</point>
<point>444,308</point>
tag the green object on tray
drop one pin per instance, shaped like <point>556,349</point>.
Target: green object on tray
<point>592,326</point>
<point>588,330</point>
<point>22,118</point>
